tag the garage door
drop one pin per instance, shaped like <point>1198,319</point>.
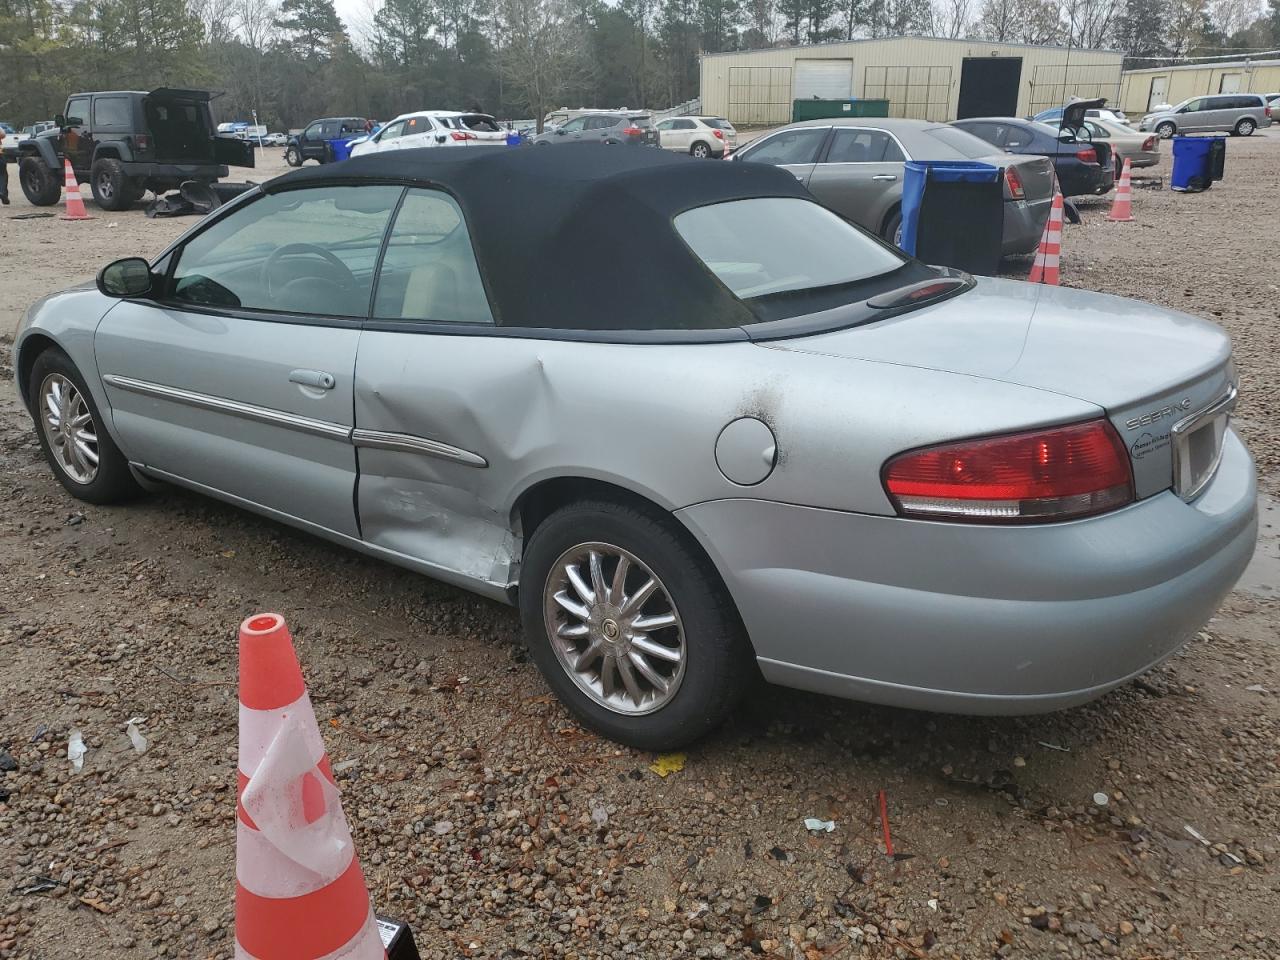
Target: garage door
<point>823,79</point>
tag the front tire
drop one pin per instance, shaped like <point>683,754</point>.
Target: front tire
<point>72,435</point>
<point>39,185</point>
<point>630,627</point>
<point>1165,130</point>
<point>892,232</point>
<point>112,188</point>
<point>1245,127</point>
<point>700,150</point>
<point>292,157</point>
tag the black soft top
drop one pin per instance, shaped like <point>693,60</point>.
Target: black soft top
<point>579,236</point>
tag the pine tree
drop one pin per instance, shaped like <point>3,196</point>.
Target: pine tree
<point>313,27</point>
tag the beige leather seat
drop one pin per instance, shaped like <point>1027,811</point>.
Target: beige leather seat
<point>431,294</point>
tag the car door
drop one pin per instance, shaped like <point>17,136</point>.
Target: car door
<point>78,140</point>
<point>860,175</point>
<point>417,133</point>
<point>571,132</point>
<point>1193,117</point>
<point>603,128</point>
<point>424,465</point>
<point>666,134</point>
<point>389,138</point>
<point>684,131</point>
<point>238,378</point>
<point>794,148</point>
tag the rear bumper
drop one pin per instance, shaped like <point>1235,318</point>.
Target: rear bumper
<point>1024,222</point>
<point>979,619</point>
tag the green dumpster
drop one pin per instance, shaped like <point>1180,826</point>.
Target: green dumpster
<point>826,109</point>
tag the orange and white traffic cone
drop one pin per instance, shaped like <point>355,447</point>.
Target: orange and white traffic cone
<point>1045,267</point>
<point>75,205</point>
<point>300,893</point>
<point>1122,208</point>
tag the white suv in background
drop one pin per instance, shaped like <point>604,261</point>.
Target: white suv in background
<point>698,136</point>
<point>433,128</point>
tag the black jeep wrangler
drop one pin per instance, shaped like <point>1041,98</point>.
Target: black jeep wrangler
<point>127,142</point>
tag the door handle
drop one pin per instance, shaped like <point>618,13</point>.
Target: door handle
<point>312,378</point>
<point>888,177</point>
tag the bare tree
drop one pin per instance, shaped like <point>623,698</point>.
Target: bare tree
<point>544,53</point>
<point>1233,16</point>
<point>1186,24</point>
<point>1090,22</point>
<point>951,18</point>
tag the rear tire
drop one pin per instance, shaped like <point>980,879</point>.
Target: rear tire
<point>39,185</point>
<point>1245,127</point>
<point>112,188</point>
<point>1165,130</point>
<point>700,150</point>
<point>108,480</point>
<point>715,662</point>
<point>892,232</point>
<point>292,157</point>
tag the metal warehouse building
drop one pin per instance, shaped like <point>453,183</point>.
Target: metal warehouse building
<point>1142,90</point>
<point>922,77</point>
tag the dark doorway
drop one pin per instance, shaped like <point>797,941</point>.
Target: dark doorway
<point>989,87</point>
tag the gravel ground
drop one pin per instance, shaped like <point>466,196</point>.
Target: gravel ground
<point>498,828</point>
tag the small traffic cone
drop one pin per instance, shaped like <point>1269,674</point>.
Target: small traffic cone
<point>1045,267</point>
<point>300,893</point>
<point>1122,208</point>
<point>75,205</point>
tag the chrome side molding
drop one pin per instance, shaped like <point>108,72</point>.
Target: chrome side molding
<point>408,443</point>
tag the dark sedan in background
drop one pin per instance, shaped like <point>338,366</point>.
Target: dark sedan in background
<point>633,128</point>
<point>1084,166</point>
<point>855,167</point>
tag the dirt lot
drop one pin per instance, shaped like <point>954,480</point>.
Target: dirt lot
<point>495,825</point>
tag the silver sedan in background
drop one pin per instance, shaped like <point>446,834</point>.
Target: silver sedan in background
<point>788,450</point>
<point>856,168</point>
<point>1141,149</point>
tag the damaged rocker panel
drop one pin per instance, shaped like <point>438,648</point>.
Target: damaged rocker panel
<point>376,439</point>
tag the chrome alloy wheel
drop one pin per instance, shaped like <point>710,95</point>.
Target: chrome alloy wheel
<point>614,628</point>
<point>69,428</point>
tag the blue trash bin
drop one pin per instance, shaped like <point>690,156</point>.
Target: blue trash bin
<point>953,213</point>
<point>1194,163</point>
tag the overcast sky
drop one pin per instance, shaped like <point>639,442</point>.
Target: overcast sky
<point>356,14</point>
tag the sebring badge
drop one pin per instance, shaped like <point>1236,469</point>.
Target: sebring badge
<point>1170,411</point>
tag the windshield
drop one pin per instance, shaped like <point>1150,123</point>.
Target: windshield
<point>961,142</point>
<point>770,245</point>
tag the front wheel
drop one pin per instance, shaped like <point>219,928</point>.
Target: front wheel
<point>292,157</point>
<point>1165,130</point>
<point>1245,127</point>
<point>82,454</point>
<point>39,184</point>
<point>630,627</point>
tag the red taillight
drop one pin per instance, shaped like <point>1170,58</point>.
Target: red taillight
<point>1040,475</point>
<point>717,134</point>
<point>1266,111</point>
<point>1149,143</point>
<point>459,135</point>
<point>633,132</point>
<point>1016,191</point>
<point>1087,155</point>
<point>142,142</point>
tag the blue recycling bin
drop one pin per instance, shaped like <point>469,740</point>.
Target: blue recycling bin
<point>1197,162</point>
<point>953,214</point>
<point>342,148</point>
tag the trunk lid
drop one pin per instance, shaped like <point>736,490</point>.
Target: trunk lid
<point>1148,368</point>
<point>1036,174</point>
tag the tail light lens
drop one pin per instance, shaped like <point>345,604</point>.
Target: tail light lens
<point>460,135</point>
<point>633,132</point>
<point>1014,182</point>
<point>1266,111</point>
<point>717,134</point>
<point>1087,155</point>
<point>1149,143</point>
<point>1037,476</point>
<point>142,141</point>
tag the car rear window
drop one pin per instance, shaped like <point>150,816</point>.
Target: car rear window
<point>770,245</point>
<point>639,120</point>
<point>480,121</point>
<point>965,145</point>
<point>717,123</point>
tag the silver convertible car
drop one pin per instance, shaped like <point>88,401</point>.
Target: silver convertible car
<point>697,426</point>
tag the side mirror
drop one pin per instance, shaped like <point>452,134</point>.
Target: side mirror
<point>560,132</point>
<point>130,277</point>
<point>60,120</point>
